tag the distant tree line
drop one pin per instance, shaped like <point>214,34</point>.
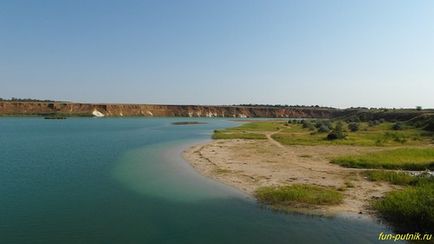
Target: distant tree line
<point>14,99</point>
<point>281,106</point>
<point>418,108</point>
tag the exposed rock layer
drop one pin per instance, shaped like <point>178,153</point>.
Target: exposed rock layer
<point>85,109</point>
<point>8,108</point>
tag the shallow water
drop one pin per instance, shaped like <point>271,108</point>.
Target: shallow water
<point>85,180</point>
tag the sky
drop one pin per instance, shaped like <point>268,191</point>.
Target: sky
<point>372,53</point>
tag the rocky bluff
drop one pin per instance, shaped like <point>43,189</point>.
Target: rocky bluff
<point>148,110</point>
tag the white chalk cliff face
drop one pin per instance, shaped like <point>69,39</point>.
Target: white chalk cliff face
<point>97,113</point>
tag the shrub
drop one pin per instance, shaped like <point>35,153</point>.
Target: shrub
<point>372,123</point>
<point>328,123</point>
<point>336,134</point>
<point>308,125</point>
<point>323,126</point>
<point>318,124</point>
<point>323,129</point>
<point>353,126</point>
<point>430,125</point>
<point>311,127</point>
<point>397,126</point>
<point>353,119</point>
<point>339,126</point>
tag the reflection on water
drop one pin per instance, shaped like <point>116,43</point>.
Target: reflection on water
<point>159,171</point>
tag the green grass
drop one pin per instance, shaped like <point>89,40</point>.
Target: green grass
<point>251,130</point>
<point>295,134</point>
<point>403,158</point>
<point>412,206</point>
<point>380,135</point>
<point>398,178</point>
<point>259,126</point>
<point>393,177</point>
<point>298,194</point>
<point>237,135</point>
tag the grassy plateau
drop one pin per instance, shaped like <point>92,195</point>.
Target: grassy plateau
<point>296,134</point>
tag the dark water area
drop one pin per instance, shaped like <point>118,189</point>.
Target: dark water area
<point>123,180</point>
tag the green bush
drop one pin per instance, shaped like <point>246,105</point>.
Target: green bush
<point>339,126</point>
<point>308,125</point>
<point>430,125</point>
<point>372,123</point>
<point>336,135</point>
<point>353,126</point>
<point>324,129</point>
<point>397,126</point>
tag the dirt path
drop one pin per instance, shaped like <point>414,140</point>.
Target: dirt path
<point>271,140</point>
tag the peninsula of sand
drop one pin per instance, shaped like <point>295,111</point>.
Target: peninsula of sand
<point>248,164</point>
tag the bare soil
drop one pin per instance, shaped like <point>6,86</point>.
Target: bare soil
<point>249,164</point>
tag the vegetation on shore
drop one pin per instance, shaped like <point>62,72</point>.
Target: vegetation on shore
<point>402,158</point>
<point>412,203</point>
<point>237,135</point>
<point>327,132</point>
<point>412,207</point>
<point>375,133</point>
<point>247,131</point>
<point>399,177</point>
<point>393,177</point>
<point>258,126</point>
<point>287,196</point>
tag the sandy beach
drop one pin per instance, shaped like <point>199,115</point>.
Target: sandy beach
<point>249,164</point>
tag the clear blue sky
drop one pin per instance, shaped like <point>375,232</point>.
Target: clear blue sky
<point>335,53</point>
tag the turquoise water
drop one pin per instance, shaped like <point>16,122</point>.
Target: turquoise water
<point>85,180</point>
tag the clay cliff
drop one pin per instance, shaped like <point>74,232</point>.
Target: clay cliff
<point>116,110</point>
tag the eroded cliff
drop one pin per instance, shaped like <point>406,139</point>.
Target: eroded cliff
<point>147,110</point>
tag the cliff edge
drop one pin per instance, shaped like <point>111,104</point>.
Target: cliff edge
<point>8,108</point>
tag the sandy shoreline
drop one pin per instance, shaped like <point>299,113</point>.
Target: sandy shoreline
<point>249,164</point>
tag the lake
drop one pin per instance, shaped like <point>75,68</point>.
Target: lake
<point>123,180</point>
